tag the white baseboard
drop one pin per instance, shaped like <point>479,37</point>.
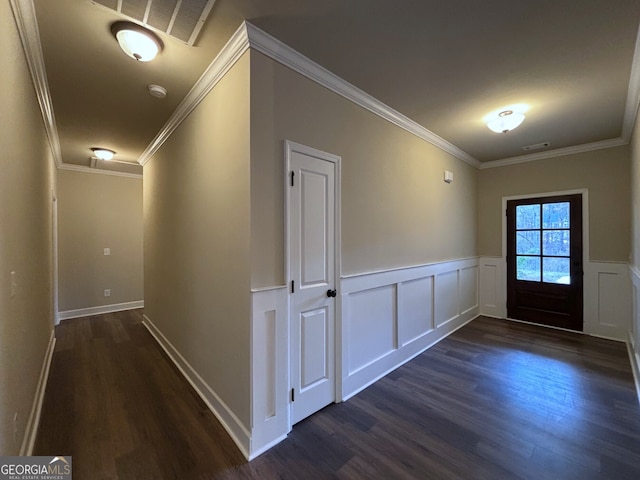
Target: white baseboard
<point>263,448</point>
<point>435,336</point>
<point>634,358</point>
<point>400,313</point>
<point>231,423</point>
<point>87,312</point>
<point>31,431</point>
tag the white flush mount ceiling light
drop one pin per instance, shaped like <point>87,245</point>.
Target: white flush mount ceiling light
<point>506,119</point>
<point>103,153</point>
<point>137,42</point>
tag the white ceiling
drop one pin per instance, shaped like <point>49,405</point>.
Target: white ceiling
<point>443,64</point>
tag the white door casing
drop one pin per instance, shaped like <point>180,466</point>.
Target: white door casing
<point>311,202</point>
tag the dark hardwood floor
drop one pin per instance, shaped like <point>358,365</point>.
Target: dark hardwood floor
<point>495,400</point>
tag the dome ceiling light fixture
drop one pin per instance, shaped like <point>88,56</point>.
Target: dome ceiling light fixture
<point>157,91</point>
<point>103,153</point>
<point>137,42</point>
<point>507,118</point>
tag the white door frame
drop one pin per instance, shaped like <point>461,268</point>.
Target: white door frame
<point>54,255</point>
<point>289,148</point>
<point>585,240</point>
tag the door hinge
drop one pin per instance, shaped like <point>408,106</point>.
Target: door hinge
<point>293,286</point>
<point>292,175</point>
<point>293,394</point>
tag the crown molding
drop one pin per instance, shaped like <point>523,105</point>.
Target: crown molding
<point>633,94</point>
<point>228,56</point>
<point>24,13</point>
<point>82,169</point>
<point>628,123</point>
<point>559,152</point>
<point>250,36</point>
<point>285,55</point>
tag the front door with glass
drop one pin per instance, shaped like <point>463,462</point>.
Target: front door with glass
<point>544,260</point>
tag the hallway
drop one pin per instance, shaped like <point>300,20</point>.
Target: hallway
<point>495,400</point>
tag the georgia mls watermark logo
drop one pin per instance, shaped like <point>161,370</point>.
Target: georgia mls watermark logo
<point>35,468</point>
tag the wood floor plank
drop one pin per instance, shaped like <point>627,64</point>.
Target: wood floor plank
<point>495,400</point>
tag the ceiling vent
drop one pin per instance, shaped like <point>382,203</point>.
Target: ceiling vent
<point>181,19</point>
<point>537,146</point>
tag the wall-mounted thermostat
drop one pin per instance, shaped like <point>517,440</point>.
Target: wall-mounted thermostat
<point>448,176</point>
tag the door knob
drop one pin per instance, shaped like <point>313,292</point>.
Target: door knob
<point>331,293</point>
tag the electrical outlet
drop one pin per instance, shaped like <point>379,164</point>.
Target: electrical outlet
<point>107,251</point>
<point>107,292</point>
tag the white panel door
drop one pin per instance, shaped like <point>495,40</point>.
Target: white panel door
<point>312,274</point>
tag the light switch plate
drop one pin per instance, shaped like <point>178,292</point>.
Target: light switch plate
<point>107,251</point>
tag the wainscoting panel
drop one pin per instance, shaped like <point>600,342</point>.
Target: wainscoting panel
<point>607,296</point>
<point>415,309</point>
<point>372,332</point>
<point>607,300</point>
<point>447,297</point>
<point>269,369</point>
<point>634,331</point>
<point>468,278</point>
<point>493,301</point>
<point>390,317</point>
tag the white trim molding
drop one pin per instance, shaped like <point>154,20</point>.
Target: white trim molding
<point>607,296</point>
<point>99,310</point>
<point>285,55</point>
<point>231,423</point>
<point>492,296</point>
<point>83,169</point>
<point>559,152</point>
<point>24,13</point>
<point>634,359</point>
<point>269,369</point>
<point>249,36</point>
<point>31,431</point>
<point>607,300</point>
<point>634,332</point>
<point>390,317</point>
<point>228,56</point>
<point>633,94</point>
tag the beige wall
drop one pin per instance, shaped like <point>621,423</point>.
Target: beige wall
<point>635,199</point>
<point>26,186</point>
<point>95,212</point>
<point>196,250</point>
<point>605,173</point>
<point>396,209</point>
